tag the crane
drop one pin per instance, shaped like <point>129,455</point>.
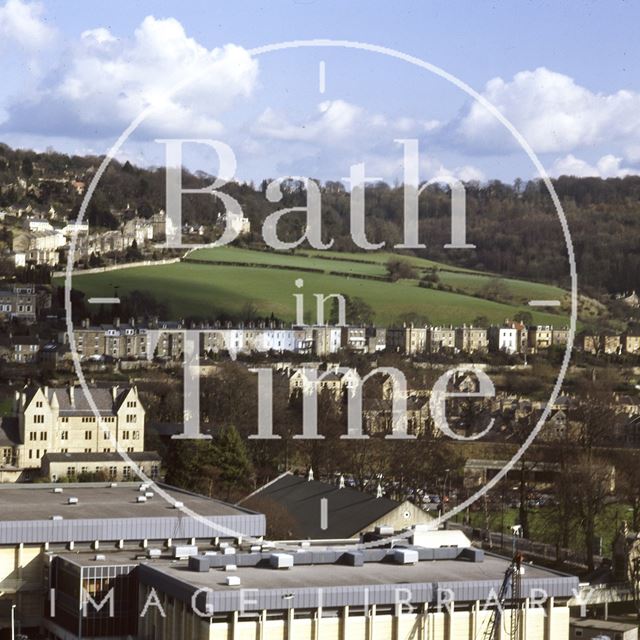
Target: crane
<point>510,589</point>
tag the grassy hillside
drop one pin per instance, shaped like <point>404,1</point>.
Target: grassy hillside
<point>193,289</point>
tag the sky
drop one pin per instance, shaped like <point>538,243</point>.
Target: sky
<point>76,74</point>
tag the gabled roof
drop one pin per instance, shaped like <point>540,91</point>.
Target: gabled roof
<point>102,397</point>
<point>349,511</point>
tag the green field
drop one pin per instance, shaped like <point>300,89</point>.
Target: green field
<point>204,290</point>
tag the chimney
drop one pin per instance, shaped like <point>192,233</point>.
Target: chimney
<point>310,475</point>
<point>72,398</point>
<point>116,322</point>
<point>85,323</point>
<point>16,402</point>
<point>341,482</point>
<point>114,392</point>
<point>379,491</point>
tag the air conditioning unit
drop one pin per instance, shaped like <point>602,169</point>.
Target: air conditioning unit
<point>178,505</point>
<point>154,553</point>
<point>232,581</point>
<point>148,494</point>
<point>184,551</point>
<point>281,560</point>
<point>57,490</point>
<point>141,499</point>
<point>56,518</point>
<point>72,501</point>
<point>405,556</point>
<point>100,558</point>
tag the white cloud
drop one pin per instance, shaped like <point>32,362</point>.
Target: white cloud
<point>608,166</point>
<point>338,122</point>
<point>109,81</point>
<point>21,23</point>
<point>553,113</point>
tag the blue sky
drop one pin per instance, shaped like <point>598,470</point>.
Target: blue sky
<point>565,74</point>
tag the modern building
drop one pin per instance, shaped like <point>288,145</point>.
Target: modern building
<point>40,521</point>
<point>337,593</point>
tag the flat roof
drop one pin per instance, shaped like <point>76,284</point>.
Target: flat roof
<point>20,502</point>
<point>336,585</point>
<point>602,625</point>
<point>333,575</point>
<point>111,513</point>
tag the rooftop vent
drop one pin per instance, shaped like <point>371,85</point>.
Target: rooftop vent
<point>385,530</point>
<point>56,518</point>
<point>184,551</point>
<point>72,500</point>
<point>148,494</point>
<point>154,553</point>
<point>57,490</point>
<point>228,551</point>
<point>232,581</point>
<point>281,560</point>
<point>141,499</point>
<point>405,556</point>
<point>178,505</point>
<point>100,558</point>
<point>230,567</point>
<point>143,487</point>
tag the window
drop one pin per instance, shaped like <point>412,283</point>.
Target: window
<point>135,435</point>
<point>87,435</point>
<point>113,472</point>
<point>84,469</point>
<point>64,419</point>
<point>64,450</point>
<point>88,419</point>
<point>132,417</point>
<point>106,450</point>
<point>106,435</point>
<point>125,435</point>
<point>33,435</point>
<point>39,403</point>
<point>30,454</point>
<point>64,435</point>
<point>43,435</point>
<point>129,449</point>
<point>126,472</point>
<point>154,471</point>
<point>131,404</point>
<point>71,471</point>
<point>87,450</point>
<point>38,419</point>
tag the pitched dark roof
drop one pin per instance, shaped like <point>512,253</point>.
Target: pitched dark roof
<point>9,431</point>
<point>349,511</point>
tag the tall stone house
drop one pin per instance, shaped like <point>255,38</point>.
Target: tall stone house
<point>61,420</point>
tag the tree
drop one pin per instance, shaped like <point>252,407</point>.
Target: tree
<point>357,311</point>
<point>233,463</point>
<point>400,269</point>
